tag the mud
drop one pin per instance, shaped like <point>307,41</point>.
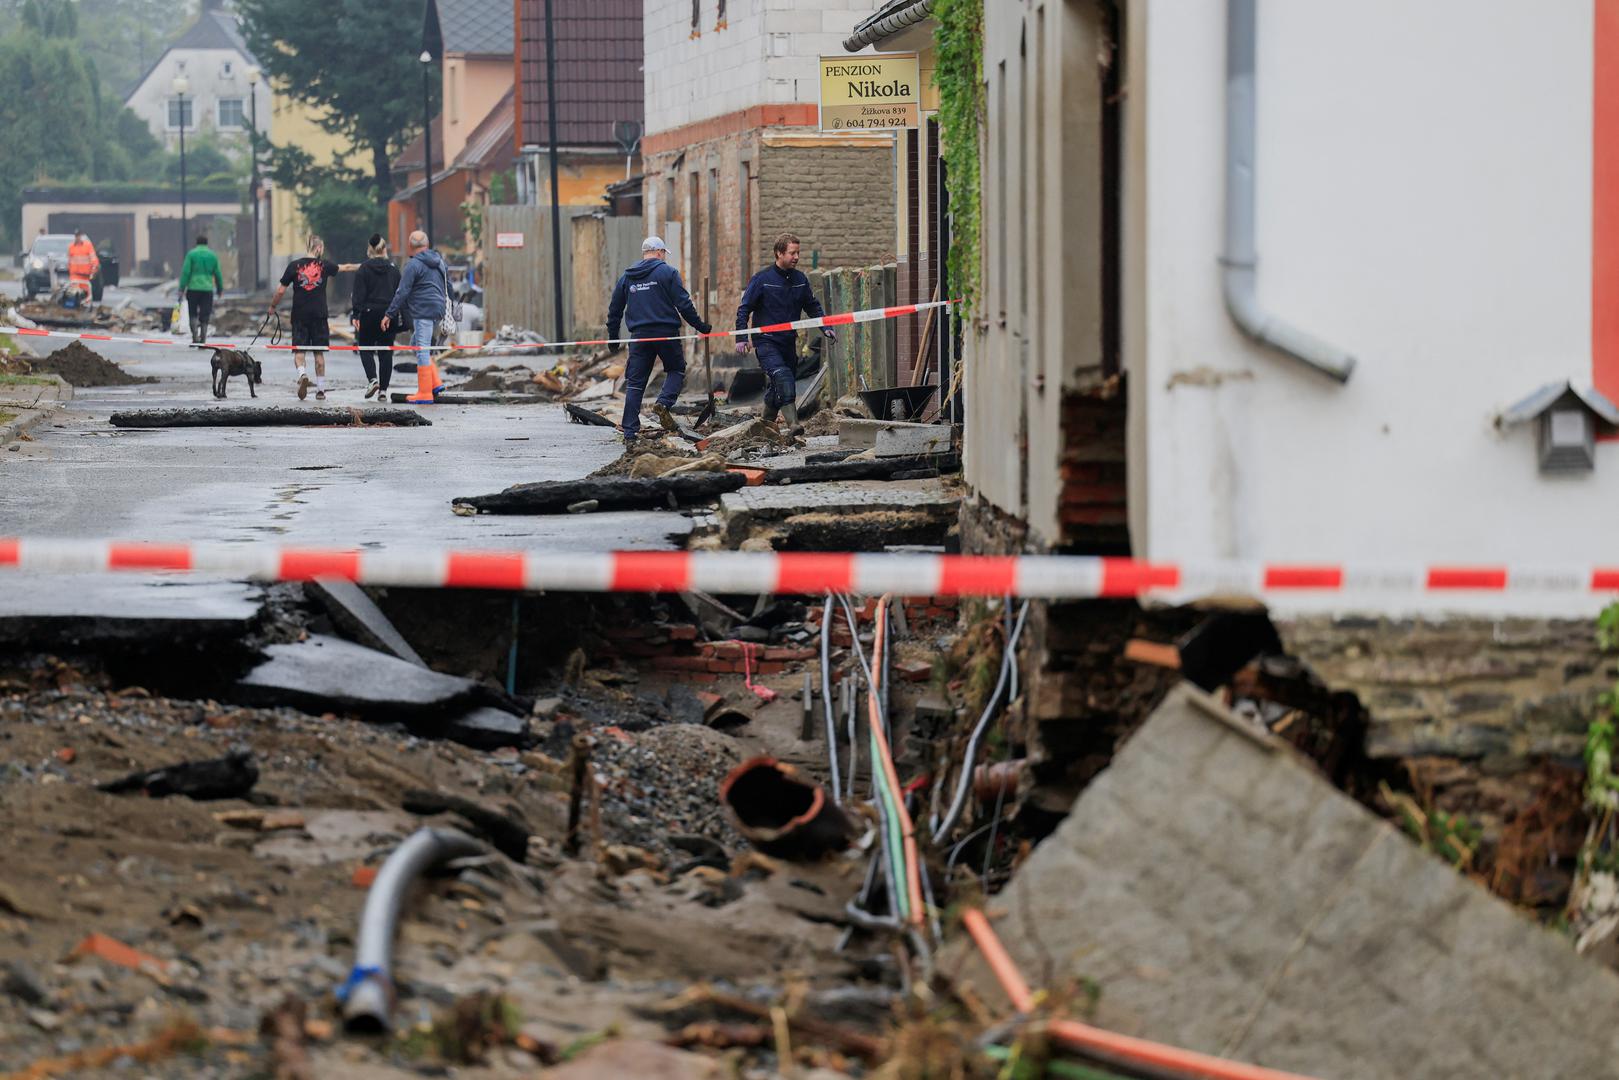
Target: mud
<point>248,902</point>
<point>82,366</point>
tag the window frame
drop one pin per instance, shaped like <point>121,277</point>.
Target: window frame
<point>241,114</point>
<point>188,112</point>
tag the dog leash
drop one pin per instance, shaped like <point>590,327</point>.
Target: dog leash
<point>275,334</point>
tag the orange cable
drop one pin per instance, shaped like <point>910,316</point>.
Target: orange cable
<point>1086,1037</point>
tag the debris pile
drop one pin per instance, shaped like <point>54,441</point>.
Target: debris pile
<point>78,365</point>
<point>121,320</point>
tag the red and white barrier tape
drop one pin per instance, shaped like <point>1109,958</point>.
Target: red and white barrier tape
<point>847,318</point>
<point>1055,577</point>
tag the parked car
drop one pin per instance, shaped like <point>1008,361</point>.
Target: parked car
<point>48,253</point>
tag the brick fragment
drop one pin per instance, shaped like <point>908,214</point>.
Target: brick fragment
<point>113,951</point>
<point>682,632</point>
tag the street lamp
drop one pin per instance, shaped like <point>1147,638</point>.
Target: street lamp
<point>427,136</point>
<point>182,86</point>
<point>253,151</point>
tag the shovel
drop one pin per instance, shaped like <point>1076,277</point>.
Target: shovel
<point>708,367</point>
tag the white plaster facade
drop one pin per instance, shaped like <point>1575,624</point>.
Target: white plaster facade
<point>767,56</point>
<point>216,75</point>
<point>1431,212</point>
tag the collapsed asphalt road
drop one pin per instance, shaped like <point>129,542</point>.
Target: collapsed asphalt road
<point>372,489</point>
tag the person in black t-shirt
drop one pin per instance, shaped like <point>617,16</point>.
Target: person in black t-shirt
<point>307,277</point>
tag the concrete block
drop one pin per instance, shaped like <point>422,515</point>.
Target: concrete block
<point>1194,893</point>
<point>861,434</point>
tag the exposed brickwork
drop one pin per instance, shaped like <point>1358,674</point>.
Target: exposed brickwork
<point>1237,904</point>
<point>838,199</point>
<point>1094,514</point>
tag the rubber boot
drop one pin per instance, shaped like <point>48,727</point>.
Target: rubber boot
<point>195,340</point>
<point>789,419</point>
<point>202,332</point>
<point>433,379</point>
<point>424,386</point>
<point>769,415</point>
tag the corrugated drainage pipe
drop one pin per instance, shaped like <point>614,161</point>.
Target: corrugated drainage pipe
<point>1241,260</point>
<point>368,995</point>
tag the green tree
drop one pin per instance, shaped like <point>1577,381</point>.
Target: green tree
<point>345,217</point>
<point>47,114</point>
<point>353,60</point>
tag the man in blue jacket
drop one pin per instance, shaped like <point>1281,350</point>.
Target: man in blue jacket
<point>422,296</point>
<point>651,299</point>
<point>779,293</point>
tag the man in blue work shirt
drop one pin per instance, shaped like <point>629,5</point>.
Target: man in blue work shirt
<point>779,293</point>
<point>655,300</point>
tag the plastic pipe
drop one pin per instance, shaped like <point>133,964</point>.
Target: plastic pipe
<point>368,995</point>
<point>826,698</point>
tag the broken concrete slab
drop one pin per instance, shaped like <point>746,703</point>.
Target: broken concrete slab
<point>488,729</point>
<point>894,438</point>
<point>357,615</point>
<point>94,610</point>
<point>881,511</point>
<point>327,674</point>
<point>1303,932</point>
<point>268,416</point>
<point>608,492</point>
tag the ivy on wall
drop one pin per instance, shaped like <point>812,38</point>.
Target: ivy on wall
<point>959,41</point>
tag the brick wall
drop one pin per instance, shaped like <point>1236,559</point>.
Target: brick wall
<point>1236,903</point>
<point>839,200</point>
<point>718,163</point>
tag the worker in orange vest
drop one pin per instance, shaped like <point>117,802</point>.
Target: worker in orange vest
<point>82,265</point>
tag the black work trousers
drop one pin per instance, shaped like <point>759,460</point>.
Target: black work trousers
<point>200,307</point>
<point>379,362</point>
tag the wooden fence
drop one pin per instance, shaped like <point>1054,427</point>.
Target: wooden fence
<point>865,354</point>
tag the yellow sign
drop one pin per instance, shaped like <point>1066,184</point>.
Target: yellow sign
<point>869,92</point>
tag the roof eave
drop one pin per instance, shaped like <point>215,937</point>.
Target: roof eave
<point>879,28</point>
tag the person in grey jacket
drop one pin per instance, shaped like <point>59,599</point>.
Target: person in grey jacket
<point>423,293</point>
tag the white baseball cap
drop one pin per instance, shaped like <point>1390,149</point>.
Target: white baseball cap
<point>654,243</point>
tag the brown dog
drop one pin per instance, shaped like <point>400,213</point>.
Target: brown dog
<point>228,362</point>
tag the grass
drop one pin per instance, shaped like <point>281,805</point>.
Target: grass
<point>7,417</point>
<point>25,380</point>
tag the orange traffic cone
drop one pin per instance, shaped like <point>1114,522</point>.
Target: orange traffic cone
<point>424,386</point>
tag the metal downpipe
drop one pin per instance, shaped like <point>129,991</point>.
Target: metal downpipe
<point>368,995</point>
<point>1240,262</point>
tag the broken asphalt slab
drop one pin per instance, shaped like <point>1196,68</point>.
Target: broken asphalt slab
<point>357,615</point>
<point>326,674</point>
<point>1239,904</point>
<point>268,416</point>
<point>609,493</point>
<point>99,610</point>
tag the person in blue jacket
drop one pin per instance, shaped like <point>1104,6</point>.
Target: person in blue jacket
<point>652,300</point>
<point>777,294</point>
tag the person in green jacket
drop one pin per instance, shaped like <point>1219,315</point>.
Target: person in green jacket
<point>199,280</point>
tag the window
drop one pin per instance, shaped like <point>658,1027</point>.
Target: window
<point>230,113</point>
<point>745,265</point>
<point>225,69</point>
<point>181,111</point>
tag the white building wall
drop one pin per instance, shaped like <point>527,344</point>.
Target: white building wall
<point>765,56</point>
<point>205,68</point>
<point>1424,200</point>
